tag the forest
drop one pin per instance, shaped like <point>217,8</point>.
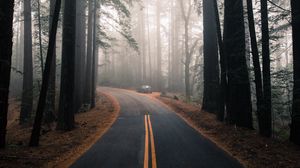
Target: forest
<point>64,60</point>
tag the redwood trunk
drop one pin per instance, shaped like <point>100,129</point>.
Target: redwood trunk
<point>27,93</point>
<point>66,102</point>
<point>211,61</point>
<point>257,70</point>
<point>239,108</point>
<point>6,22</point>
<point>295,126</point>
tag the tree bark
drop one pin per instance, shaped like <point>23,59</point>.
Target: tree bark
<point>257,70</point>
<point>89,61</point>
<point>40,36</point>
<point>223,66</point>
<point>66,102</point>
<point>35,135</point>
<point>95,57</point>
<point>27,93</point>
<point>50,105</point>
<point>6,22</point>
<point>295,125</point>
<point>211,61</point>
<point>239,109</point>
<point>80,54</point>
<point>267,114</point>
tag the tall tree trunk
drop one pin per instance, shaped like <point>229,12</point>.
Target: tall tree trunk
<point>295,126</point>
<point>27,94</point>
<point>158,38</point>
<point>176,70</point>
<point>95,57</point>
<point>40,36</point>
<point>173,32</point>
<point>187,62</point>
<point>80,53</point>
<point>83,51</point>
<point>144,54</point>
<point>257,70</point>
<point>89,61</point>
<point>6,22</point>
<point>188,55</point>
<point>211,61</point>
<point>239,109</point>
<point>66,102</point>
<point>267,114</point>
<point>149,46</point>
<point>15,81</point>
<point>34,140</point>
<point>170,47</point>
<point>223,66</point>
<point>139,60</point>
<point>50,102</point>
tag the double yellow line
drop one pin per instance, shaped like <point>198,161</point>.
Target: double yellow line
<point>148,130</point>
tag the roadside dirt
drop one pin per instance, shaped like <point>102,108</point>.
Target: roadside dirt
<point>252,150</point>
<point>59,149</point>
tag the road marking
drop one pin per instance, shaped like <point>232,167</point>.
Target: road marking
<point>153,154</point>
<point>149,130</point>
<point>146,154</point>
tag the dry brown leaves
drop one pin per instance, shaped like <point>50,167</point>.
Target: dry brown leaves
<point>246,145</point>
<point>58,149</point>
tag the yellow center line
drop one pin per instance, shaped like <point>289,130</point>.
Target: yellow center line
<point>146,157</point>
<point>153,154</point>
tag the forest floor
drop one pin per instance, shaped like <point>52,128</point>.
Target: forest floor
<point>252,150</point>
<point>57,148</point>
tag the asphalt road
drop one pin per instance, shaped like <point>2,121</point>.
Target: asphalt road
<point>147,134</point>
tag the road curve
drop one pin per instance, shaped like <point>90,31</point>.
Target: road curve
<point>147,134</point>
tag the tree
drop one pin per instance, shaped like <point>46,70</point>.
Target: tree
<point>95,57</point>
<point>27,94</point>
<point>50,102</point>
<point>295,125</point>
<point>211,61</point>
<point>267,113</point>
<point>66,102</point>
<point>40,34</point>
<point>257,69</point>
<point>175,79</point>
<point>143,39</point>
<point>239,109</point>
<point>34,140</point>
<point>170,45</point>
<point>6,22</point>
<point>89,61</point>
<point>223,66</point>
<point>149,44</point>
<point>186,15</point>
<point>158,34</point>
<point>80,53</point>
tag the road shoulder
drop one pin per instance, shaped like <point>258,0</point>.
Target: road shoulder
<point>57,148</point>
<point>106,116</point>
<point>245,145</point>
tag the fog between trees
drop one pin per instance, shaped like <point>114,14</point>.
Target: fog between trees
<point>224,55</point>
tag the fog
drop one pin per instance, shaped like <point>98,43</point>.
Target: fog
<point>157,43</point>
<point>71,69</point>
<point>158,30</point>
